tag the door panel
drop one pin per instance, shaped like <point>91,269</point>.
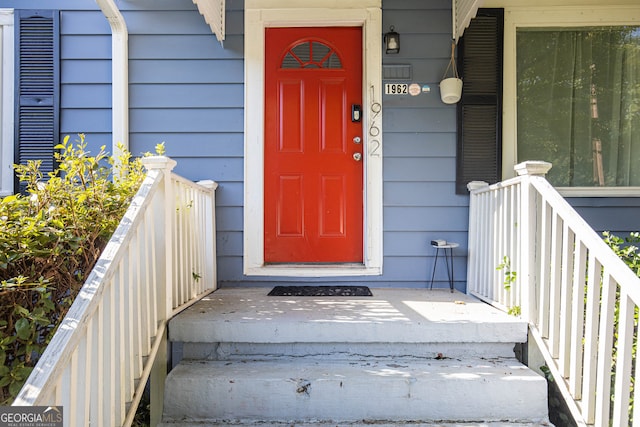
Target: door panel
<point>313,184</point>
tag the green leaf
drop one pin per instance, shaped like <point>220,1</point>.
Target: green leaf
<point>5,380</point>
<point>23,372</point>
<point>23,328</point>
<point>14,388</point>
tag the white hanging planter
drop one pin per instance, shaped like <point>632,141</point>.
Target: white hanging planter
<point>451,87</point>
<point>451,90</point>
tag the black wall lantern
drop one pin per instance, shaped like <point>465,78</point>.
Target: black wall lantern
<point>392,41</point>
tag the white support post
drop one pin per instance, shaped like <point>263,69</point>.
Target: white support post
<point>211,262</point>
<point>528,232</point>
<point>164,289</point>
<point>119,79</point>
<point>165,165</point>
<point>528,227</point>
<point>472,245</point>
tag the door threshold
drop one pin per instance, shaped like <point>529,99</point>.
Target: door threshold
<point>313,270</point>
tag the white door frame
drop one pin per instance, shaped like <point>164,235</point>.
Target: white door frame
<point>260,14</point>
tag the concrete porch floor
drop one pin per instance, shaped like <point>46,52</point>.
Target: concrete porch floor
<point>390,315</point>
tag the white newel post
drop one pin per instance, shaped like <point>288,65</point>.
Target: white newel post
<point>528,228</point>
<point>163,226</point>
<point>211,269</point>
<point>472,245</point>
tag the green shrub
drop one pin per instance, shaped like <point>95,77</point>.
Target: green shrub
<point>627,249</point>
<point>49,241</point>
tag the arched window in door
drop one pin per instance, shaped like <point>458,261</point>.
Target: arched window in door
<point>311,54</point>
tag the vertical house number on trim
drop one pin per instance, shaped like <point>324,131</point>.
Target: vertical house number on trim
<point>396,88</point>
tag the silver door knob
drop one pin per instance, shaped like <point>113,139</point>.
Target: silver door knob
<point>357,157</point>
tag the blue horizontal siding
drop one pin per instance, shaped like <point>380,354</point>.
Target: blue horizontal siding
<point>85,120</point>
<point>231,217</point>
<point>162,22</point>
<point>412,120</point>
<point>418,20</point>
<point>438,219</point>
<point>412,243</point>
<point>618,215</point>
<point>184,47</point>
<point>85,47</point>
<point>48,4</point>
<point>230,194</point>
<point>85,71</point>
<point>422,194</point>
<point>179,144</point>
<point>85,22</point>
<point>164,71</point>
<point>424,144</point>
<point>76,96</point>
<point>217,169</point>
<point>412,169</point>
<point>187,120</point>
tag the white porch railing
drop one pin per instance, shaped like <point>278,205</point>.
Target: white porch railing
<point>161,258</point>
<point>580,299</point>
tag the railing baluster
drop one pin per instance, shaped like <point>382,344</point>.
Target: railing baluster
<point>109,348</point>
<point>542,267</point>
<point>494,245</point>
<point>119,342</point>
<point>622,386</point>
<point>99,366</point>
<point>67,388</point>
<point>481,248</point>
<point>516,227</point>
<point>566,292</point>
<point>577,320</point>
<point>154,227</point>
<point>88,365</point>
<point>502,237</point>
<point>605,345</point>
<point>126,335</point>
<point>591,337</point>
<point>555,284</point>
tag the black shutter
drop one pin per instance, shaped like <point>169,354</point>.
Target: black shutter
<point>479,146</point>
<point>37,87</point>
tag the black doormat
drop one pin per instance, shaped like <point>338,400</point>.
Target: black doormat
<point>321,291</point>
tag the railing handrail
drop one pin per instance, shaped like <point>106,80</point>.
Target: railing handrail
<point>589,237</point>
<point>567,281</point>
<point>139,282</point>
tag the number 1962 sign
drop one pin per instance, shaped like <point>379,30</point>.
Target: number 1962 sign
<point>396,88</point>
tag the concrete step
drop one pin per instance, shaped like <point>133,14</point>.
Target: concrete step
<point>342,351</point>
<point>341,392</point>
<point>415,321</point>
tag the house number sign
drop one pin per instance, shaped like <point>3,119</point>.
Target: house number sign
<point>396,89</point>
<point>412,89</point>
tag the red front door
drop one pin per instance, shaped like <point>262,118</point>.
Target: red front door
<point>313,184</point>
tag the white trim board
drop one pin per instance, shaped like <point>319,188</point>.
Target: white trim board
<point>261,14</point>
<point>552,16</point>
<point>7,53</point>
